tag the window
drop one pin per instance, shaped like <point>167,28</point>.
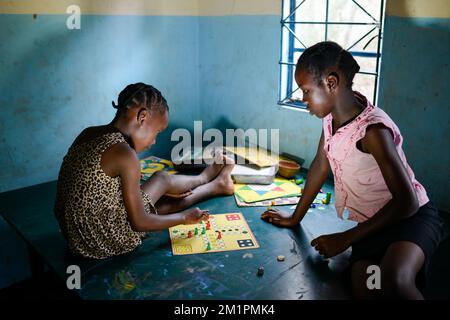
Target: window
<point>355,24</point>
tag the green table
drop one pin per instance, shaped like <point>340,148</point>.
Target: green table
<point>152,272</point>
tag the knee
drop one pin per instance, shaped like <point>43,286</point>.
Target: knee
<point>397,282</point>
<point>162,176</point>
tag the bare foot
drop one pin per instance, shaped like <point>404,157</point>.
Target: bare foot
<point>223,183</point>
<point>220,160</point>
<point>211,171</point>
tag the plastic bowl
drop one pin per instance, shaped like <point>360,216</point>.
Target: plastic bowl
<point>288,168</point>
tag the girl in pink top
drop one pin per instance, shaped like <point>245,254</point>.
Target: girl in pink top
<point>398,227</point>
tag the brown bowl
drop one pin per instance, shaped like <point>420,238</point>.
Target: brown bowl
<point>288,168</point>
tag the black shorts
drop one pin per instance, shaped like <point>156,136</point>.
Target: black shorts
<point>424,228</point>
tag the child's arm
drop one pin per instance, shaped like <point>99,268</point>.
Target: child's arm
<point>126,165</point>
<point>379,142</point>
<point>317,174</point>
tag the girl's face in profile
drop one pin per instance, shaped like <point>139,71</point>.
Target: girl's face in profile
<point>316,97</point>
<point>150,125</point>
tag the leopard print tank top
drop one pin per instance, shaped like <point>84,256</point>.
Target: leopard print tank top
<point>89,204</point>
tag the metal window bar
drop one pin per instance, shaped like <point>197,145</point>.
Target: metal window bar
<point>290,24</point>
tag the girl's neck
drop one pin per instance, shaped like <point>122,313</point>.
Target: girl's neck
<point>346,108</point>
<point>121,126</point>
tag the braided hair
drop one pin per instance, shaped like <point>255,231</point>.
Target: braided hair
<point>140,94</point>
<point>322,56</point>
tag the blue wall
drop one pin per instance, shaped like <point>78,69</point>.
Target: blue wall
<point>414,91</point>
<point>56,81</point>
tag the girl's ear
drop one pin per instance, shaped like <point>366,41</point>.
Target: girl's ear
<point>332,81</point>
<point>142,114</point>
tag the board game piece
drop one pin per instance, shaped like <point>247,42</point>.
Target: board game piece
<point>196,231</point>
<point>227,232</point>
<point>190,234</point>
<point>260,271</point>
<point>280,258</point>
<point>328,199</point>
<point>312,205</point>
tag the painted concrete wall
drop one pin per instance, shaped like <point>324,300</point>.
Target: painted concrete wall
<point>414,88</point>
<point>56,81</point>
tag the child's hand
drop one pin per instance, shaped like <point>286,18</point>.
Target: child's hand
<point>195,215</point>
<point>278,218</point>
<point>331,244</point>
<point>178,195</point>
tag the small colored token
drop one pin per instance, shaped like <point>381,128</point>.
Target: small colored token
<point>196,231</point>
<point>312,205</point>
<point>203,230</point>
<point>299,181</point>
<point>328,199</point>
<point>208,246</point>
<point>260,271</point>
<point>280,258</point>
<point>189,234</point>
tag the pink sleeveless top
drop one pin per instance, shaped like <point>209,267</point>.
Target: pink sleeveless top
<point>359,184</point>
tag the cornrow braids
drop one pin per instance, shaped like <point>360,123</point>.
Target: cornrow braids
<point>140,94</point>
<point>322,56</point>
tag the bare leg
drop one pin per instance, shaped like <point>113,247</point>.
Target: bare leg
<point>221,185</point>
<point>399,268</point>
<point>177,184</point>
<point>161,183</point>
<point>359,280</point>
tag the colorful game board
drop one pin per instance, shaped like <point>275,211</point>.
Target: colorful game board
<point>258,156</point>
<point>266,203</point>
<point>280,188</point>
<point>222,232</point>
<point>153,164</point>
<point>277,202</point>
